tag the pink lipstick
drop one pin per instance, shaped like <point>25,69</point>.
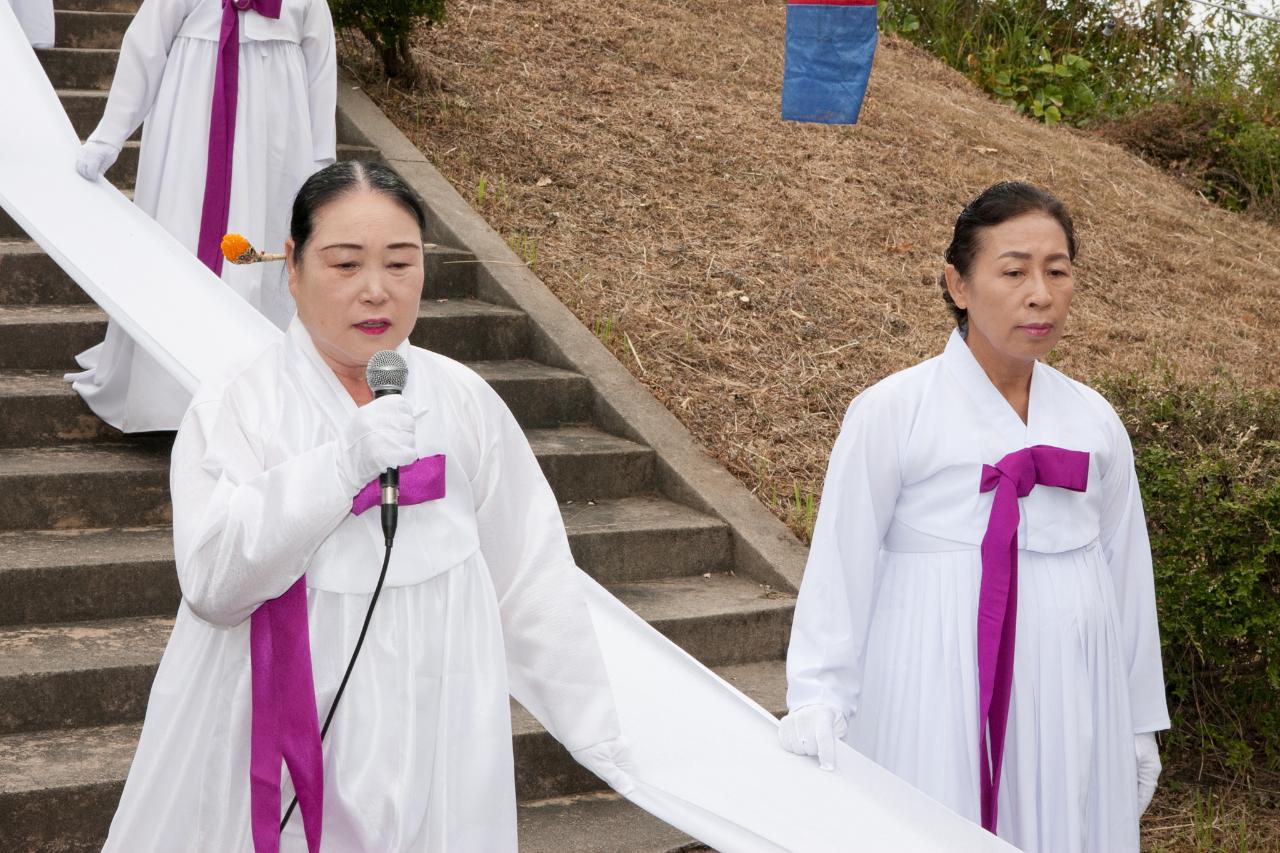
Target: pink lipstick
<point>373,326</point>
<point>1037,330</point>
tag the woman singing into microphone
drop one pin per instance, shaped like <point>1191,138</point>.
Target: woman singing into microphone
<point>273,471</point>
<point>978,612</point>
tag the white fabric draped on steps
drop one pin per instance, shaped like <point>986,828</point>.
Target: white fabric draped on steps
<point>706,758</point>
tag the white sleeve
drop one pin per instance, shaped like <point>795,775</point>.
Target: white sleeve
<point>1127,550</point>
<point>320,54</point>
<point>554,664</point>
<point>838,592</point>
<point>143,56</point>
<point>243,534</point>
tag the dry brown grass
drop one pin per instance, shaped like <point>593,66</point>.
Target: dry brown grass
<point>756,274</point>
<point>1223,817</point>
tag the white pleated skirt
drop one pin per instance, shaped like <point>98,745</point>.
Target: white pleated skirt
<point>419,754</point>
<point>1069,779</point>
<point>273,155</point>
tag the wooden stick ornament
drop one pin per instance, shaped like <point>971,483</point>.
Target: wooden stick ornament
<point>237,250</point>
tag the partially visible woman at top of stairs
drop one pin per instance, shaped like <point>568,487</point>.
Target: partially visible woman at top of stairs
<point>209,166</point>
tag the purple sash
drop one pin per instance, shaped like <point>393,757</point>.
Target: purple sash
<point>285,723</point>
<point>1013,477</point>
<point>222,129</point>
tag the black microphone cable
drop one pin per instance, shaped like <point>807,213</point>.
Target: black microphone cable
<point>333,706</point>
<point>385,373</point>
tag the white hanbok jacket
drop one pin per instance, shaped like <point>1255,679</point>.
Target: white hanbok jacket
<point>885,625</point>
<point>285,131</point>
<point>482,597</point>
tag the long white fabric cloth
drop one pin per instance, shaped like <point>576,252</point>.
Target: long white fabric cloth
<point>285,130</point>
<point>885,627</point>
<point>481,584</point>
<point>708,763</point>
<point>37,20</point>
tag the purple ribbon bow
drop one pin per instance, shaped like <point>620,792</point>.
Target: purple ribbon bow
<point>222,129</point>
<point>420,481</point>
<point>285,724</point>
<point>1013,477</point>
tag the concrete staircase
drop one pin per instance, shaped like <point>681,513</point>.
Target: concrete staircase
<point>87,585</point>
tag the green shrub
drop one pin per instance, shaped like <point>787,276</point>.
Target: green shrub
<point>1197,95</point>
<point>1208,461</point>
<point>387,24</point>
<point>1225,146</point>
<point>1049,91</point>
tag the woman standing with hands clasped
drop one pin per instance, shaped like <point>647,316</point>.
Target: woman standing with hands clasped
<point>239,99</point>
<point>978,610</point>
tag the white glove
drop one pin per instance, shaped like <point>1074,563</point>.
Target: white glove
<point>1148,768</point>
<point>611,761</point>
<point>813,730</point>
<point>380,435</point>
<point>95,158</point>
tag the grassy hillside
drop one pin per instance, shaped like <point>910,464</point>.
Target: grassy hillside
<point>756,275</point>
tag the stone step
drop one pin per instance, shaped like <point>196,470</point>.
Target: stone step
<point>599,823</point>
<point>538,395</point>
<point>74,28</point>
<point>645,538</point>
<point>71,575</point>
<point>96,574</point>
<point>30,277</point>
<point>127,485</point>
<point>56,676</point>
<point>59,788</point>
<point>448,273</point>
<point>48,337</point>
<point>39,408</point>
<point>79,67</point>
<point>582,463</point>
<point>85,107</point>
<point>97,5</point>
<point>82,673</point>
<point>84,486</point>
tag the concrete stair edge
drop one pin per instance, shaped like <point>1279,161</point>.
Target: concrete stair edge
<point>57,576</point>
<point>764,548</point>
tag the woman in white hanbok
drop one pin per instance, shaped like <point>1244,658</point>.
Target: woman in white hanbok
<point>482,595</point>
<point>284,131</point>
<point>887,649</point>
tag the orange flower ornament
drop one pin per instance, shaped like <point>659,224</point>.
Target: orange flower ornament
<point>237,250</point>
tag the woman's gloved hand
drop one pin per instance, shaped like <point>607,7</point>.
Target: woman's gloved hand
<point>813,730</point>
<point>611,761</point>
<point>95,158</point>
<point>1148,768</point>
<point>380,435</point>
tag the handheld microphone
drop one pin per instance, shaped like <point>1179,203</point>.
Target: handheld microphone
<point>386,374</point>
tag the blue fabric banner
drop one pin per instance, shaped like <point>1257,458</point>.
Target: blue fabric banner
<point>830,46</point>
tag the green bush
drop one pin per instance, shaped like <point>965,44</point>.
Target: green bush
<point>387,24</point>
<point>1049,91</point>
<point>1199,96</point>
<point>1208,461</point>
